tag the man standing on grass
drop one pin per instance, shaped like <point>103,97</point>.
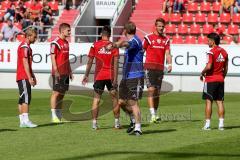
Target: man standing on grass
<point>214,74</point>
<point>157,46</point>
<point>132,83</point>
<point>106,74</point>
<point>25,78</point>
<point>61,70</point>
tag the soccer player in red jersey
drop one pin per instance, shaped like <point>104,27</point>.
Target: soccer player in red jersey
<point>25,78</point>
<point>157,47</point>
<point>61,70</point>
<point>106,73</point>
<point>214,74</point>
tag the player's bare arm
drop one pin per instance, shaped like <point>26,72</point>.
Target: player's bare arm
<point>205,70</point>
<point>27,70</point>
<point>89,66</point>
<point>54,64</point>
<point>169,60</point>
<point>225,68</point>
<point>115,79</point>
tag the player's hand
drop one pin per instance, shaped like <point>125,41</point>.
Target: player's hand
<point>85,80</point>
<point>31,81</point>
<point>109,47</point>
<point>35,80</point>
<point>201,77</point>
<point>115,84</point>
<point>169,69</point>
<point>71,77</point>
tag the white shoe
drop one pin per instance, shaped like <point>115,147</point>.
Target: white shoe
<point>117,126</point>
<point>95,127</point>
<point>206,128</point>
<point>28,124</point>
<point>221,128</point>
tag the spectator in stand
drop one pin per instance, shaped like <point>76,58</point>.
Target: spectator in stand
<point>20,11</point>
<point>227,6</point>
<point>27,18</point>
<point>235,40</point>
<point>237,6</point>
<point>9,31</point>
<point>10,13</point>
<point>179,5</point>
<point>168,6</point>
<point>67,4</point>
<point>36,11</point>
<point>46,14</point>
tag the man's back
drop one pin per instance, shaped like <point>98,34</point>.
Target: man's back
<point>218,57</point>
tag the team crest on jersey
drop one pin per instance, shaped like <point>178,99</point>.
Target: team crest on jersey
<point>153,41</point>
<point>220,58</point>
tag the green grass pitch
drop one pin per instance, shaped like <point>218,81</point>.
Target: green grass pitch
<point>178,136</point>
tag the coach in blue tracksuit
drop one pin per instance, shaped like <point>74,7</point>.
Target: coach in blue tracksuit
<point>132,83</point>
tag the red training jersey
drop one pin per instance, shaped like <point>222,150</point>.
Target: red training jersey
<point>155,47</point>
<point>60,48</point>
<point>218,57</point>
<point>24,51</point>
<point>104,60</point>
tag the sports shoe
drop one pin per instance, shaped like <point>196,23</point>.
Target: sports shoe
<point>138,133</point>
<point>56,120</point>
<point>221,128</point>
<point>206,128</point>
<point>155,119</point>
<point>28,124</point>
<point>95,127</point>
<point>117,126</point>
<point>131,128</point>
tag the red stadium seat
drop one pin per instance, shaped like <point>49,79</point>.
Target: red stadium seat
<point>195,29</point>
<point>202,40</point>
<point>18,25</point>
<point>187,18</point>
<point>1,14</point>
<point>233,29</point>
<point>182,29</point>
<point>20,37</point>
<point>177,40</point>
<point>225,18</point>
<point>5,4</point>
<point>207,28</point>
<point>170,29</point>
<point>175,18</point>
<point>228,39</point>
<point>190,40</point>
<point>192,7</point>
<point>200,18</point>
<point>236,18</point>
<point>205,7</point>
<point>164,16</point>
<point>216,6</point>
<point>212,18</point>
<point>221,27</point>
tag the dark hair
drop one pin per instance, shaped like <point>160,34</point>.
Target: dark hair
<point>215,37</point>
<point>130,27</point>
<point>159,20</point>
<point>106,31</point>
<point>63,26</point>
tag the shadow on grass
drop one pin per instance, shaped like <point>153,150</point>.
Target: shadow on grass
<point>231,127</point>
<point>7,130</point>
<point>50,124</point>
<point>158,131</point>
<point>151,155</point>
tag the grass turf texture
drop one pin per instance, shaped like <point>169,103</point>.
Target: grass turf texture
<point>178,136</point>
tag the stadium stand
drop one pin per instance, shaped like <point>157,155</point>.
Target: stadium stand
<point>199,19</point>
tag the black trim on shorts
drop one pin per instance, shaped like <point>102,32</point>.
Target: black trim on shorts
<point>25,94</point>
<point>131,89</point>
<point>61,84</point>
<point>213,91</point>
<point>154,78</point>
<point>99,86</point>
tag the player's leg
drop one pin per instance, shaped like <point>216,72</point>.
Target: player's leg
<point>98,90</point>
<point>208,96</point>
<point>55,110</point>
<point>24,102</point>
<point>137,116</point>
<point>152,103</point>
<point>220,104</point>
